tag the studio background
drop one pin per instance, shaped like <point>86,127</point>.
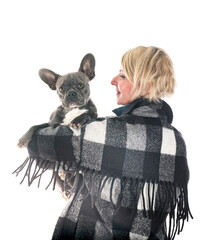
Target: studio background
<point>56,35</point>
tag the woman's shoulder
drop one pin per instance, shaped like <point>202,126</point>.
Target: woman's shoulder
<point>180,143</point>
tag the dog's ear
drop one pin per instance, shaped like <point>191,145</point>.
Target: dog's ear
<point>87,66</point>
<point>49,77</point>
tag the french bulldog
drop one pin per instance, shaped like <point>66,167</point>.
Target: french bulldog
<point>76,109</point>
<point>74,92</point>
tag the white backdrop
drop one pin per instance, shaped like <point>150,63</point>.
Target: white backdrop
<point>56,35</point>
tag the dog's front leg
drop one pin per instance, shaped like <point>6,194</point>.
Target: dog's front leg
<point>27,137</point>
<point>57,117</point>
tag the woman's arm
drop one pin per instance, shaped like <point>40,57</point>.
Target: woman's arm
<point>63,148</point>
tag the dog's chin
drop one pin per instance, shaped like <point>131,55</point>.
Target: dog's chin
<point>73,105</point>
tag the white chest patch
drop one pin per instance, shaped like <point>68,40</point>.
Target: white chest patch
<point>71,115</point>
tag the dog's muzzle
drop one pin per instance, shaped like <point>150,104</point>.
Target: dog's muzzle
<point>73,99</point>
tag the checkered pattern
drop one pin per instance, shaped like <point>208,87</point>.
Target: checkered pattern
<point>127,149</point>
<point>131,171</point>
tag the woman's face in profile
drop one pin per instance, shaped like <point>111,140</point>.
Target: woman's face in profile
<point>123,88</point>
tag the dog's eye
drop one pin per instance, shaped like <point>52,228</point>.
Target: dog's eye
<point>61,89</point>
<point>80,85</point>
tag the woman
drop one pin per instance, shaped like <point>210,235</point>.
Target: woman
<point>131,170</point>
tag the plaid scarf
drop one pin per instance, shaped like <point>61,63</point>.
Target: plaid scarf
<point>129,173</point>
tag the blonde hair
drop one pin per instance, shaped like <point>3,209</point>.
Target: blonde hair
<point>150,69</point>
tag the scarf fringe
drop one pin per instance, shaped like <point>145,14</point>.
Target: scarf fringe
<point>35,168</point>
<point>168,199</point>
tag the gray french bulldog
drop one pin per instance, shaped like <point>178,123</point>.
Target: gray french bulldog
<point>77,108</point>
<point>74,92</point>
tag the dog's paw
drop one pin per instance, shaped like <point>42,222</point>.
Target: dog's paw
<point>79,121</point>
<point>22,143</point>
<point>75,126</point>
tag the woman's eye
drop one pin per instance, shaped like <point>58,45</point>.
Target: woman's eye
<point>122,76</point>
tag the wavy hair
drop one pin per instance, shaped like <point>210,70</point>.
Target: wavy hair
<point>150,69</point>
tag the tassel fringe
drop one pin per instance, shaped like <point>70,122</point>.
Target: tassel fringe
<point>158,198</point>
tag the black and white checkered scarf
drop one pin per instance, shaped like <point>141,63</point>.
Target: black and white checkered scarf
<point>135,162</point>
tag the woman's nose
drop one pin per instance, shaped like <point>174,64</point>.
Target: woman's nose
<point>114,80</point>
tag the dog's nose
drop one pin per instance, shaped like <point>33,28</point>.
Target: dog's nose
<point>71,94</point>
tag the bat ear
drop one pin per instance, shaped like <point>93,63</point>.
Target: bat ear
<point>87,66</point>
<point>49,77</point>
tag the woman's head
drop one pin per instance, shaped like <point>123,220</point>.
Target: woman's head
<point>150,70</point>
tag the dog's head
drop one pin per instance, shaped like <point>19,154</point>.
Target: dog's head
<point>72,88</point>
